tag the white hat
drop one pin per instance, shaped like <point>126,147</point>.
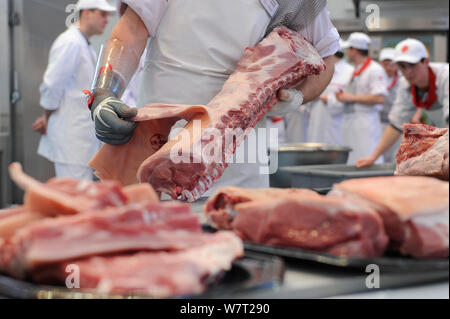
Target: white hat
<point>410,51</point>
<point>358,40</point>
<point>387,54</point>
<point>95,4</point>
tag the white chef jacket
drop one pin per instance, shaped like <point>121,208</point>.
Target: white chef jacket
<point>326,119</point>
<point>70,137</point>
<point>404,109</point>
<point>361,128</point>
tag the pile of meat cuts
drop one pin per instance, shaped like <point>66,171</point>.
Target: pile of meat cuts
<point>281,61</point>
<point>123,240</point>
<point>358,218</point>
<point>424,151</point>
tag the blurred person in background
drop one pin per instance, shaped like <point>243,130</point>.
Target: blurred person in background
<point>68,135</point>
<point>327,113</point>
<point>424,87</point>
<point>386,59</point>
<point>363,99</point>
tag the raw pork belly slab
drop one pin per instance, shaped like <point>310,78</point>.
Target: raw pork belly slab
<point>282,60</point>
<point>220,207</point>
<point>414,209</point>
<point>63,196</point>
<point>12,219</point>
<point>158,275</point>
<point>424,151</point>
<point>168,226</point>
<point>302,219</point>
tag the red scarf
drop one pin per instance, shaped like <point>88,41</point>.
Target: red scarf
<point>361,70</point>
<point>432,96</point>
<point>394,82</point>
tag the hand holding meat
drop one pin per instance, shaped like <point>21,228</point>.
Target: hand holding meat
<point>365,162</point>
<point>288,101</point>
<point>110,116</point>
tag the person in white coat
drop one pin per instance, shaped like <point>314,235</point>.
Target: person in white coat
<point>325,124</point>
<point>195,46</point>
<point>424,86</point>
<point>68,138</point>
<point>363,99</point>
<point>386,59</point>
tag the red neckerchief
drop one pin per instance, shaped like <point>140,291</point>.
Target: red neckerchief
<point>276,119</point>
<point>394,82</point>
<point>361,70</point>
<point>432,96</point>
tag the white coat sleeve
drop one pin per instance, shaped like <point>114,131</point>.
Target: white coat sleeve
<point>378,82</point>
<point>403,109</point>
<point>150,11</point>
<point>61,71</point>
<point>322,34</point>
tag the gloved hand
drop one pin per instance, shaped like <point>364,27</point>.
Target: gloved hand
<point>288,101</point>
<point>110,118</point>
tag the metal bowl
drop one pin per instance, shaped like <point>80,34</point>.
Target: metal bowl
<point>306,154</point>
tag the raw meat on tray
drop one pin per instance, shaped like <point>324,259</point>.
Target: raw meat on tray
<point>301,219</point>
<point>424,151</point>
<point>282,60</point>
<point>158,274</point>
<point>414,209</point>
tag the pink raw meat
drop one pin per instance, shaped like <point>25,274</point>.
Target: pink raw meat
<point>157,274</point>
<point>414,209</point>
<point>152,226</point>
<point>424,151</point>
<point>303,219</point>
<point>283,60</point>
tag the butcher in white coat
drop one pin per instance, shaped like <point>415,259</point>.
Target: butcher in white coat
<point>68,138</point>
<point>195,47</point>
<point>325,123</point>
<point>424,86</point>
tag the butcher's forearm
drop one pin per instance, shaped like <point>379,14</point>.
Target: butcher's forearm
<point>47,114</point>
<point>314,85</point>
<point>390,136</point>
<point>369,100</point>
<point>131,32</point>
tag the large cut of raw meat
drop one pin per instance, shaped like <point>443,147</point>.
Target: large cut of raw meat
<point>156,226</point>
<point>159,274</point>
<point>61,196</point>
<point>302,219</point>
<point>220,208</point>
<point>424,151</point>
<point>282,60</point>
<point>414,209</point>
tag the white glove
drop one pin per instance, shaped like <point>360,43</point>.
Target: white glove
<point>288,101</point>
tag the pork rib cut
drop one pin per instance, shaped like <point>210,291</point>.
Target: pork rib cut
<point>282,60</point>
<point>302,219</point>
<point>414,209</point>
<point>151,226</point>
<point>157,274</point>
<point>423,152</point>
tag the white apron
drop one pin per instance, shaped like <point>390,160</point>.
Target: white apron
<point>195,50</point>
<point>361,129</point>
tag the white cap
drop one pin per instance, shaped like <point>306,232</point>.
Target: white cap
<point>95,4</point>
<point>387,54</point>
<point>410,51</point>
<point>358,40</point>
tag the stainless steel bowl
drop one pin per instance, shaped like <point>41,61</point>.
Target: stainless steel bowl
<point>306,154</point>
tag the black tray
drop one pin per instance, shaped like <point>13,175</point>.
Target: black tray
<point>253,271</point>
<point>390,262</point>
